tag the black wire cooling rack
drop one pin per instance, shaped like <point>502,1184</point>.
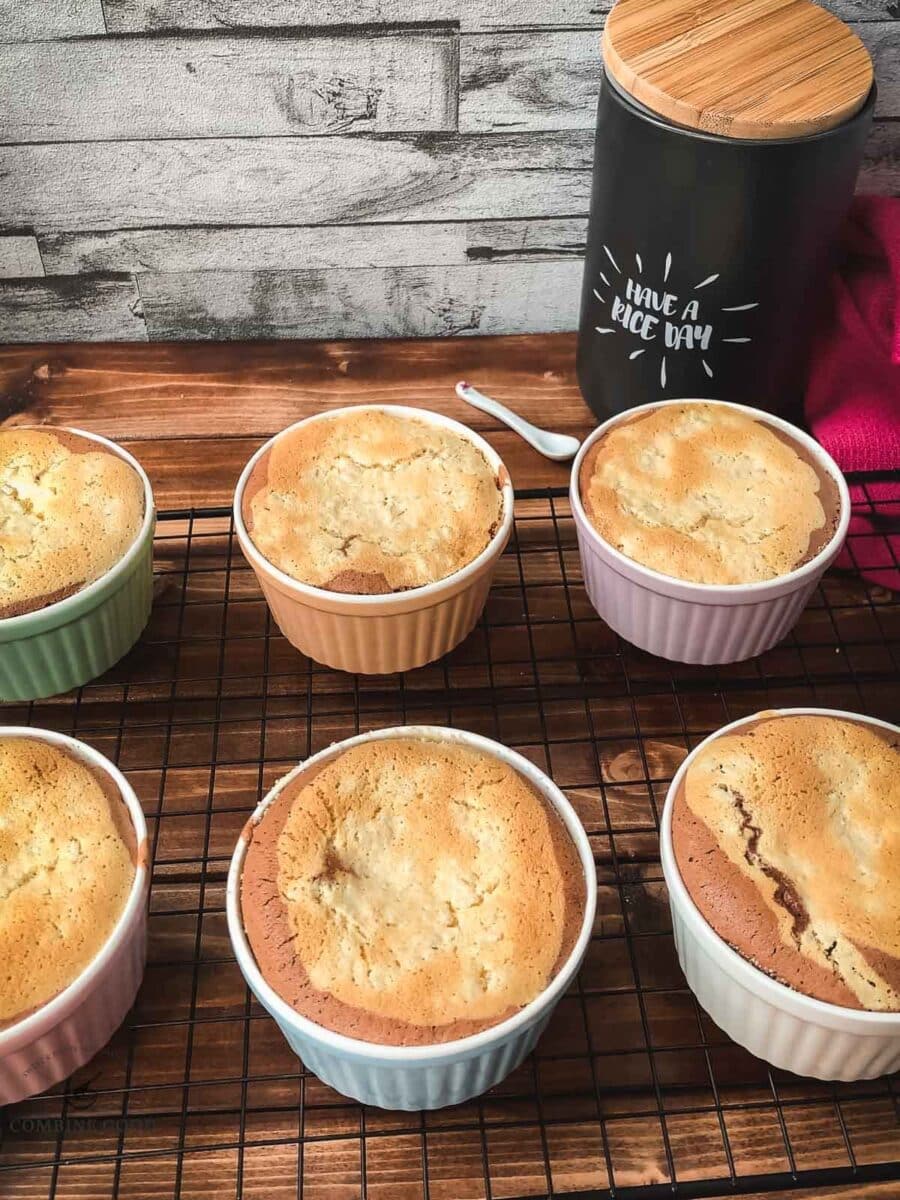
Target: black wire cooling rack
<point>632,1092</point>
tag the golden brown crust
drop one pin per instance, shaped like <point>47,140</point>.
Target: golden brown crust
<point>787,837</point>
<point>370,502</point>
<point>410,892</point>
<point>67,864</point>
<point>70,508</point>
<point>705,493</point>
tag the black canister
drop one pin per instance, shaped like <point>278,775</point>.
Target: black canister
<point>707,254</point>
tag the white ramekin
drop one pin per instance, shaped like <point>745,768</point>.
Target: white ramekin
<point>63,1034</point>
<point>772,1021</point>
<point>378,635</point>
<point>69,643</point>
<point>698,622</point>
<point>417,1077</point>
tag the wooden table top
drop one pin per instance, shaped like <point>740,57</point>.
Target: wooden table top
<point>193,414</point>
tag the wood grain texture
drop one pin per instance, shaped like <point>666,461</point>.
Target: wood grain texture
<point>252,706</point>
<point>548,80</point>
<point>69,308</point>
<point>105,88</point>
<point>313,247</point>
<point>129,16</point>
<point>20,257</point>
<point>376,302</point>
<point>254,389</point>
<point>764,69</point>
<point>278,181</point>
<point>193,415</point>
<point>192,472</point>
<point>49,19</point>
<point>518,81</point>
<point>126,16</point>
<point>880,171</point>
<point>209,169</point>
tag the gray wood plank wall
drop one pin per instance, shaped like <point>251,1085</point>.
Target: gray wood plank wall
<point>277,168</point>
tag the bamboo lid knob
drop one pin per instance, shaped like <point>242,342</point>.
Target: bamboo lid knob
<point>739,68</point>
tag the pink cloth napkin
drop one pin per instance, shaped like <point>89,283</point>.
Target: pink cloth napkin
<point>853,394</point>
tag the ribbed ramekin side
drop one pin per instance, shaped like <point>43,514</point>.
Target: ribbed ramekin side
<point>415,1086</point>
<point>85,1028</point>
<point>685,630</point>
<point>379,643</point>
<point>57,658</point>
<point>781,1038</point>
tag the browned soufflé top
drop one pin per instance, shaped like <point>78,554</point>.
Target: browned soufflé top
<point>67,864</point>
<point>787,837</point>
<point>371,502</point>
<point>411,891</point>
<point>70,508</point>
<point>706,493</point>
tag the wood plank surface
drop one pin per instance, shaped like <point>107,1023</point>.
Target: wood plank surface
<point>549,80</point>
<point>442,301</point>
<point>225,86</point>
<point>332,179</point>
<point>20,257</point>
<point>880,171</point>
<point>146,15</point>
<point>244,389</point>
<point>312,247</point>
<point>193,414</point>
<point>448,135</point>
<point>279,181</point>
<point>71,307</point>
<point>217,1103</point>
<point>249,248</point>
<point>193,472</point>
<point>760,70</point>
<point>49,19</point>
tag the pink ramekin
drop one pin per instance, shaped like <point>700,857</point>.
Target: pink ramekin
<point>66,1032</point>
<point>776,1023</point>
<point>378,635</point>
<point>699,622</point>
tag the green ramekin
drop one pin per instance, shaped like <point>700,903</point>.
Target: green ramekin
<point>66,644</point>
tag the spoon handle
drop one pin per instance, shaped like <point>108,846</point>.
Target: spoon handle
<point>552,445</point>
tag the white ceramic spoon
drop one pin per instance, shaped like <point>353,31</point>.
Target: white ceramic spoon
<point>558,446</point>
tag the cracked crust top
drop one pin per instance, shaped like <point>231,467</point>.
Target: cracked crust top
<point>370,502</point>
<point>69,510</point>
<point>410,892</point>
<point>67,848</point>
<point>707,494</point>
<point>787,837</point>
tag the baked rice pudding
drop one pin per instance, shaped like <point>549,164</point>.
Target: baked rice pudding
<point>410,891</point>
<point>706,493</point>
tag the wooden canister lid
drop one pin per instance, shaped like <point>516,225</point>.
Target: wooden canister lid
<point>739,68</point>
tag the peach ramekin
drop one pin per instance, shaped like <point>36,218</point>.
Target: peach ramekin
<point>417,1077</point>
<point>380,634</point>
<point>699,622</point>
<point>63,1034</point>
<point>776,1023</point>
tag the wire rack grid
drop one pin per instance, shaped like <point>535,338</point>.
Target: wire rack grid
<point>632,1092</point>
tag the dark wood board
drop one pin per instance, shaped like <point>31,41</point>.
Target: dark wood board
<point>213,706</point>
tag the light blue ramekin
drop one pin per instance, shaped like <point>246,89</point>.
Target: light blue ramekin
<point>417,1077</point>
